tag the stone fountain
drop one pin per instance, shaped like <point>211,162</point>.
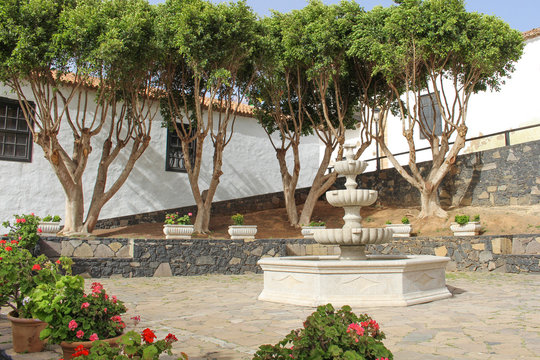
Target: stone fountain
<point>354,278</point>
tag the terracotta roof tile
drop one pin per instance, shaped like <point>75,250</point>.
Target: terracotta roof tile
<point>531,34</point>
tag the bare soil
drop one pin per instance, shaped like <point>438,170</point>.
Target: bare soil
<point>273,223</point>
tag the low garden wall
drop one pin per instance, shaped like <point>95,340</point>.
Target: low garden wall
<point>156,257</point>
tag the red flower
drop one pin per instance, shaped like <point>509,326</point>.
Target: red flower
<point>2,241</point>
<point>80,351</point>
<point>14,242</point>
<point>36,267</point>
<point>148,336</point>
<point>58,261</point>
<point>9,248</point>
<point>170,338</point>
<point>39,230</point>
<point>1,258</point>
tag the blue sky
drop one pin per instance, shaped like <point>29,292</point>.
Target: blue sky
<point>522,15</point>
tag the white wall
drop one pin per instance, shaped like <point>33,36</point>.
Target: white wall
<point>515,105</point>
<point>249,168</point>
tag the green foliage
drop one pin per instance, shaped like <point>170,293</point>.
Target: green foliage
<point>133,346</point>
<point>175,219</point>
<point>51,218</point>
<point>238,219</point>
<point>388,222</point>
<point>24,230</point>
<point>20,273</point>
<point>405,220</point>
<point>461,219</point>
<point>476,218</point>
<point>72,315</point>
<point>330,334</point>
<point>317,223</point>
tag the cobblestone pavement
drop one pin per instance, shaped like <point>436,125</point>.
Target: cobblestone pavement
<point>491,316</point>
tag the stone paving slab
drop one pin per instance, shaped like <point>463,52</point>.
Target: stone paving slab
<point>490,316</point>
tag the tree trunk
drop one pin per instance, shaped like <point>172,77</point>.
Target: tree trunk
<point>74,210</point>
<point>289,183</point>
<point>430,204</point>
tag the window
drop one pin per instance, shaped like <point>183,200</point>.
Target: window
<point>175,156</point>
<point>15,136</point>
<point>430,114</point>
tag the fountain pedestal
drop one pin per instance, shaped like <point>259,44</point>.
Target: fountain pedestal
<point>354,278</point>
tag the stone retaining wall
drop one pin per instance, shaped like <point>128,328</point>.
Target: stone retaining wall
<point>156,257</point>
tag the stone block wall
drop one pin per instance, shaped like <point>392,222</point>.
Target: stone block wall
<point>503,176</point>
<point>146,258</point>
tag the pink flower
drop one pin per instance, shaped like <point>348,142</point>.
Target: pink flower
<point>357,328</point>
<point>72,325</point>
<point>96,288</point>
<point>94,337</point>
<point>189,214</point>
<point>80,334</point>
<point>116,318</point>
<point>105,310</point>
<point>20,237</point>
<point>114,299</point>
<point>85,305</point>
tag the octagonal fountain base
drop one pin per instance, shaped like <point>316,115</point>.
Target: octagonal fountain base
<point>382,280</point>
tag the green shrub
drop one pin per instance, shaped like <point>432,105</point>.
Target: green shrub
<point>329,334</point>
<point>24,230</point>
<point>388,222</point>
<point>50,218</point>
<point>238,219</point>
<point>461,219</point>
<point>317,223</point>
<point>405,220</point>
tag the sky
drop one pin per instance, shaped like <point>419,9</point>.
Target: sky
<point>522,15</point>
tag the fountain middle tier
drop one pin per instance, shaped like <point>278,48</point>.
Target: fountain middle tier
<point>351,197</point>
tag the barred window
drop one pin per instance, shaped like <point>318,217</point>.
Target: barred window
<point>15,136</point>
<point>430,115</point>
<point>175,156</point>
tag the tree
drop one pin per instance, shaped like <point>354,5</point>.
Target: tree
<point>95,52</point>
<point>210,52</point>
<point>437,48</point>
<point>305,87</point>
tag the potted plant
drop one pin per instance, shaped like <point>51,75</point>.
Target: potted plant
<point>50,225</point>
<point>401,230</point>
<point>25,230</point>
<point>132,345</point>
<point>241,231</point>
<point>75,318</point>
<point>20,273</point>
<point>307,231</point>
<point>330,334</point>
<point>463,227</point>
<point>178,227</point>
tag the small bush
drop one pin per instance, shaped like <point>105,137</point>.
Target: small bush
<point>50,218</point>
<point>317,223</point>
<point>329,334</point>
<point>461,219</point>
<point>388,222</point>
<point>238,219</point>
<point>405,220</point>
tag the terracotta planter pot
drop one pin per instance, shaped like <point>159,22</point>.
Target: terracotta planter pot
<point>69,347</point>
<point>25,334</point>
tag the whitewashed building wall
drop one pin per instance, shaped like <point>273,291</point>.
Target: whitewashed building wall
<point>249,168</point>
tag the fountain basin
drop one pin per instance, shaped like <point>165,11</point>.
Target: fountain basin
<point>381,280</point>
<point>351,197</point>
<point>353,236</point>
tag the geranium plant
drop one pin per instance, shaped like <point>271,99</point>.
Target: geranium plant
<point>73,315</point>
<point>51,218</point>
<point>461,219</point>
<point>175,219</point>
<point>330,334</point>
<point>238,219</point>
<point>20,273</point>
<point>405,220</point>
<point>131,346</point>
<point>24,229</point>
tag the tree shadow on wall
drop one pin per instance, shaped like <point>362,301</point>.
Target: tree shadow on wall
<point>462,180</point>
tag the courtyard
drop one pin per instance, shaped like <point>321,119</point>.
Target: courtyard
<point>490,316</point>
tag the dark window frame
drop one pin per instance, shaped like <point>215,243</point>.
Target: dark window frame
<point>430,121</point>
<point>19,119</point>
<point>174,144</point>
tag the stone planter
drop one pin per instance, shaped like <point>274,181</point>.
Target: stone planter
<point>178,231</point>
<point>68,348</point>
<point>25,334</point>
<point>400,230</point>
<point>471,228</point>
<point>49,228</point>
<point>307,231</point>
<point>239,232</point>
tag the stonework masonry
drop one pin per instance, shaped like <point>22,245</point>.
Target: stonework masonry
<point>155,257</point>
